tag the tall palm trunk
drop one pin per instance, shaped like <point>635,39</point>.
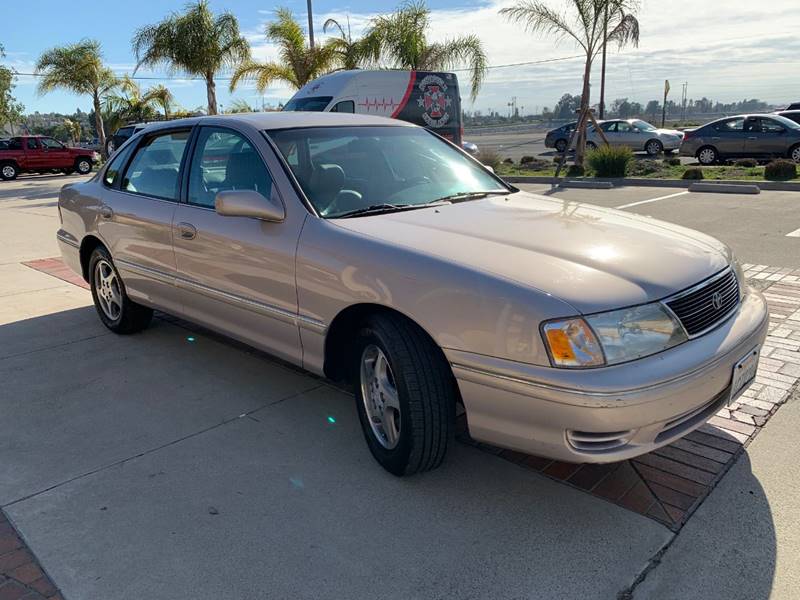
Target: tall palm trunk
<point>580,150</point>
<point>211,92</point>
<point>98,124</point>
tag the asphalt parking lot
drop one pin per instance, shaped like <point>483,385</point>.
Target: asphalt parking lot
<point>176,464</point>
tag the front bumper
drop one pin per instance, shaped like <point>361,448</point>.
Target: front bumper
<point>610,413</point>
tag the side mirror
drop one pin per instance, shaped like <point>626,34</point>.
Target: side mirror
<point>249,203</point>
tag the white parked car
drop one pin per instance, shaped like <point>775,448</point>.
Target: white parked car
<point>638,135</point>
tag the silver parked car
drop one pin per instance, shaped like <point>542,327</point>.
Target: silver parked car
<point>637,135</point>
<point>752,136</point>
<point>369,250</point>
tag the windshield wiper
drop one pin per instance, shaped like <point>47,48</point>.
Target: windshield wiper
<point>464,196</point>
<point>377,209</point>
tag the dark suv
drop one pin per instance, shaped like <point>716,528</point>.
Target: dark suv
<point>121,135</point>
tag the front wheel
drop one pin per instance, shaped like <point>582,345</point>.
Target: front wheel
<point>794,153</point>
<point>83,166</point>
<point>561,145</point>
<point>591,146</point>
<point>405,395</point>
<point>117,312</point>
<point>707,156</point>
<point>654,148</point>
<point>9,172</point>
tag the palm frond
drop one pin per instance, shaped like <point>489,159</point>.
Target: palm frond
<point>537,17</point>
<point>466,50</point>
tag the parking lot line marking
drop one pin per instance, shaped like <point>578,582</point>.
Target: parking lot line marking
<point>795,233</point>
<point>652,200</point>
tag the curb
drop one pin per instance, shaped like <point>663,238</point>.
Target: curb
<point>725,188</point>
<point>775,186</point>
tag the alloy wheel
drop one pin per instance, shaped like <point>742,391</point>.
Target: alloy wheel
<point>84,166</point>
<point>8,172</point>
<point>380,396</point>
<point>796,154</point>
<point>109,295</point>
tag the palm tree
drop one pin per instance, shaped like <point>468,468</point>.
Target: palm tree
<point>162,97</point>
<point>585,29</point>
<point>73,129</point>
<point>131,104</point>
<point>78,68</point>
<point>240,105</point>
<point>617,13</point>
<point>194,42</point>
<point>350,53</point>
<point>403,44</point>
<point>299,62</point>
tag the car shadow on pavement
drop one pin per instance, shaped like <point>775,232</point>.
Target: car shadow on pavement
<point>173,463</point>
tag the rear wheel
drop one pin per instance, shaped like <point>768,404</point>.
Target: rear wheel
<point>9,171</point>
<point>654,147</point>
<point>707,155</point>
<point>83,166</point>
<point>405,395</point>
<point>561,145</point>
<point>117,312</point>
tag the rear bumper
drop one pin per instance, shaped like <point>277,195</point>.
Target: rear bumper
<point>612,413</point>
<point>70,251</point>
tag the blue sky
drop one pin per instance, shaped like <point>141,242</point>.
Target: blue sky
<point>741,52</point>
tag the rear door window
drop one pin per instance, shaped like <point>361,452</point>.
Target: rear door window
<point>114,170</point>
<point>154,169</point>
<point>730,126</point>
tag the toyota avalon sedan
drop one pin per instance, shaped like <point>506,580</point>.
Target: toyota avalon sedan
<point>637,135</point>
<point>371,251</point>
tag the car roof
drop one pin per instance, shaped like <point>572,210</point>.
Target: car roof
<point>283,120</point>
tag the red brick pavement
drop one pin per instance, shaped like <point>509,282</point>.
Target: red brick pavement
<point>20,573</point>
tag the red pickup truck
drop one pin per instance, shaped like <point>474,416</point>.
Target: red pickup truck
<point>41,154</point>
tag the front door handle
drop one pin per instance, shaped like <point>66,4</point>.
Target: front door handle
<point>106,212</point>
<point>752,138</point>
<point>187,231</point>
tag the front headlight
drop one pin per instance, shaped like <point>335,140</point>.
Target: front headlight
<point>612,337</point>
<point>737,270</point>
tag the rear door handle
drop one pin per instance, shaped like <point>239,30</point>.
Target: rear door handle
<point>752,138</point>
<point>106,212</point>
<point>187,231</point>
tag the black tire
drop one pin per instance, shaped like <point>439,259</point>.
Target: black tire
<point>425,390</point>
<point>654,147</point>
<point>591,146</point>
<point>8,171</point>
<point>561,145</point>
<point>83,165</point>
<point>794,153</point>
<point>132,317</point>
<point>708,155</point>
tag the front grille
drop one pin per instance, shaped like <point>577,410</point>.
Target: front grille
<point>707,304</point>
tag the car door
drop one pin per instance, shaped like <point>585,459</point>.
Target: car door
<point>56,154</point>
<point>34,154</point>
<point>141,189</point>
<point>728,137</point>
<point>237,274</point>
<point>765,137</point>
<point>630,136</point>
<point>610,130</point>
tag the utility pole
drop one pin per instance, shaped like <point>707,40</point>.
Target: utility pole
<point>684,95</point>
<point>603,68</point>
<point>664,107</point>
<point>310,25</point>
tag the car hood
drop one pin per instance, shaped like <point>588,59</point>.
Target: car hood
<point>591,257</point>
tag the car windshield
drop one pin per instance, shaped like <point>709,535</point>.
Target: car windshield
<point>643,125</point>
<point>313,104</point>
<point>347,170</point>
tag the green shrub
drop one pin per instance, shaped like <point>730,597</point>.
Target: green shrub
<point>644,167</point>
<point>526,159</point>
<point>575,171</point>
<point>693,173</point>
<point>509,161</point>
<point>673,161</point>
<point>781,170</point>
<point>489,157</point>
<point>748,163</point>
<point>610,161</point>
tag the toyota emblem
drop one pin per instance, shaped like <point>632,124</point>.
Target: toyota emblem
<point>716,300</point>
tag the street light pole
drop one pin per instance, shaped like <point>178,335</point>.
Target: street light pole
<point>310,25</point>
